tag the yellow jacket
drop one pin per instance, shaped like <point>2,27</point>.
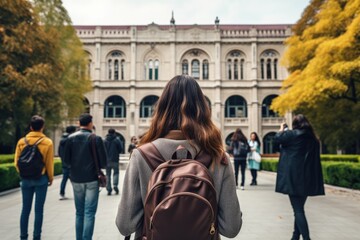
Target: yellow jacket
<point>45,147</point>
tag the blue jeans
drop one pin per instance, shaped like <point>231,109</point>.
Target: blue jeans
<point>86,197</point>
<point>66,174</point>
<point>28,188</point>
<point>300,224</point>
<point>115,167</point>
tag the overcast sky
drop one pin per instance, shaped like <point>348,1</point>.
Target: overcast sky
<point>143,12</point>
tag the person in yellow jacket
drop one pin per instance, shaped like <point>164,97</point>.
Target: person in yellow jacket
<point>37,186</point>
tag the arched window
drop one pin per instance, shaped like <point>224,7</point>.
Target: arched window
<point>266,112</point>
<point>195,62</point>
<point>116,66</point>
<point>269,143</point>
<point>86,105</point>
<point>269,65</point>
<point>152,69</point>
<point>235,107</point>
<point>147,106</point>
<point>205,69</point>
<point>156,69</point>
<point>185,67</point>
<point>195,69</point>
<point>235,65</point>
<point>228,139</point>
<point>122,140</point>
<point>114,107</point>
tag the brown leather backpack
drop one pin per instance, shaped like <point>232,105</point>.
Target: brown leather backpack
<point>181,198</point>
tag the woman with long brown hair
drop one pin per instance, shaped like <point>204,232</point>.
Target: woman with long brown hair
<point>181,118</point>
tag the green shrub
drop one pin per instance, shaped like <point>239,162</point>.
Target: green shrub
<point>9,177</point>
<point>6,158</point>
<point>269,165</point>
<point>340,158</point>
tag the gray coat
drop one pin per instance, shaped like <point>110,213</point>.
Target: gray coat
<point>130,213</point>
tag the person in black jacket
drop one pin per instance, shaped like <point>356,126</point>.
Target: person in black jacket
<point>65,168</point>
<point>239,149</point>
<point>113,147</point>
<point>299,172</point>
<point>83,174</point>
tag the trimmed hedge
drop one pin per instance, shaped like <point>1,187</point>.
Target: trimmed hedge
<point>343,174</point>
<point>6,158</point>
<point>9,177</point>
<point>340,158</point>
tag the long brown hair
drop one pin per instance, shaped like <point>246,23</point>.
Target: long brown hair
<point>301,122</point>
<point>182,106</point>
<point>238,136</point>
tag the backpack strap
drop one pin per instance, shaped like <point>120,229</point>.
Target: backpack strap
<point>36,143</point>
<point>151,155</point>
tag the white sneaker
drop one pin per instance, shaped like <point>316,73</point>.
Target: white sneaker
<point>242,188</point>
<point>62,197</point>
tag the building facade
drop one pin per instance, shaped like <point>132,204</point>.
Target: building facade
<point>237,66</point>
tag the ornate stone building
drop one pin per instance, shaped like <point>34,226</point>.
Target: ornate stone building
<point>237,66</point>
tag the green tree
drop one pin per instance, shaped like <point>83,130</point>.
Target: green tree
<point>42,66</point>
<point>323,58</point>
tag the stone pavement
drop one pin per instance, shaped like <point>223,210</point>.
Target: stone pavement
<point>266,214</point>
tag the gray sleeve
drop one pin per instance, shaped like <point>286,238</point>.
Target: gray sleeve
<point>130,212</point>
<point>229,213</point>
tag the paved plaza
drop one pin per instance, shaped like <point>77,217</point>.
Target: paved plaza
<point>266,215</point>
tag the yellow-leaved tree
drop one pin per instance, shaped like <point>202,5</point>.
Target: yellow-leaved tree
<point>323,58</point>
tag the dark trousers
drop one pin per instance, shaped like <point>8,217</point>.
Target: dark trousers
<point>300,224</point>
<point>242,165</point>
<point>66,174</point>
<point>254,175</point>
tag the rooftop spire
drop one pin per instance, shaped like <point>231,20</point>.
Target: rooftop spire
<point>172,21</point>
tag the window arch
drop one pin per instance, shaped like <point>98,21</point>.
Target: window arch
<point>195,62</point>
<point>195,69</point>
<point>228,139</point>
<point>86,105</point>
<point>185,67</point>
<point>115,66</point>
<point>235,65</point>
<point>269,143</point>
<point>205,70</point>
<point>147,106</point>
<point>269,65</point>
<point>152,69</point>
<point>266,112</point>
<point>114,107</point>
<point>235,107</point>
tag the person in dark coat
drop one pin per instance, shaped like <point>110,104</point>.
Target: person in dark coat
<point>65,168</point>
<point>239,149</point>
<point>299,173</point>
<point>113,147</point>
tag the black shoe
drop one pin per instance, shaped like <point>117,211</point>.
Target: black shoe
<point>252,183</point>
<point>109,193</point>
<point>116,190</point>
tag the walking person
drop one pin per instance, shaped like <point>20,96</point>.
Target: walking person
<point>113,148</point>
<point>239,149</point>
<point>181,119</point>
<point>83,175</point>
<point>65,168</point>
<point>254,164</point>
<point>132,144</point>
<point>38,185</point>
<point>299,173</point>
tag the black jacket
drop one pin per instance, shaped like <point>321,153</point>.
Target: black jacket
<point>78,156</point>
<point>113,147</point>
<point>299,171</point>
<point>61,148</point>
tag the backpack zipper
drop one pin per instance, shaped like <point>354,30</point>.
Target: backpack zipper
<point>212,226</point>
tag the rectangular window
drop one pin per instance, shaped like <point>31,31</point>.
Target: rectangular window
<point>150,74</point>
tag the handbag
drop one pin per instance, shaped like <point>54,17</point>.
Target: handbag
<point>256,156</point>
<point>101,175</point>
